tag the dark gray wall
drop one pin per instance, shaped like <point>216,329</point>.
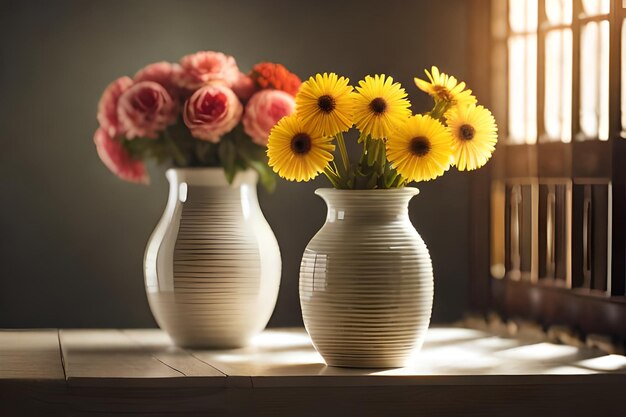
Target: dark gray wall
<point>72,235</point>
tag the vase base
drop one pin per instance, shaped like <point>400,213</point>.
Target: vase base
<point>370,364</point>
<point>210,345</point>
<point>199,325</point>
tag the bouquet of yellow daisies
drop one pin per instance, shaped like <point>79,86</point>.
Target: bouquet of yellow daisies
<point>398,147</point>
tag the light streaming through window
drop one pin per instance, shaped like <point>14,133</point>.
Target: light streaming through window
<point>559,11</point>
<point>596,7</point>
<point>558,72</point>
<point>594,80</point>
<point>558,82</point>
<point>523,71</point>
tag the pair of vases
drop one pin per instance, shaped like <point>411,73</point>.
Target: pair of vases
<point>213,268</point>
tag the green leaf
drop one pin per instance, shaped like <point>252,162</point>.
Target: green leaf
<point>391,178</point>
<point>372,152</point>
<point>372,181</point>
<point>228,154</point>
<point>382,157</point>
<point>399,182</point>
<point>140,147</point>
<point>267,178</point>
<point>206,152</point>
<point>252,155</point>
<point>249,150</point>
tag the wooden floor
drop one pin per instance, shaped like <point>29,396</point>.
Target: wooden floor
<point>458,372</point>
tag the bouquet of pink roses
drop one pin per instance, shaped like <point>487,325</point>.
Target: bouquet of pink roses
<point>200,112</point>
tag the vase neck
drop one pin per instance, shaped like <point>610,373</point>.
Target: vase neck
<point>193,185</point>
<point>210,177</point>
<point>367,205</point>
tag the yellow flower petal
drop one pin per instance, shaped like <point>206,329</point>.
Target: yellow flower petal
<point>474,133</point>
<point>442,86</point>
<point>324,104</point>
<point>420,149</point>
<point>296,153</point>
<point>380,105</point>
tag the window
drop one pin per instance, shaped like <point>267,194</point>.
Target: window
<point>557,212</point>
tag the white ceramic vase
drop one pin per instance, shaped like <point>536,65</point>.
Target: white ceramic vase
<point>366,281</point>
<point>212,265</point>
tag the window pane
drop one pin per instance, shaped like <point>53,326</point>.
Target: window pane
<point>558,85</point>
<point>523,15</point>
<point>594,80</point>
<point>523,89</point>
<point>559,11</point>
<point>596,7</point>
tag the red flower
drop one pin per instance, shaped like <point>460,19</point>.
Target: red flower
<point>263,111</point>
<point>118,160</point>
<point>245,87</point>
<point>211,112</point>
<point>270,75</point>
<point>205,67</point>
<point>145,109</point>
<point>107,106</point>
<point>162,73</point>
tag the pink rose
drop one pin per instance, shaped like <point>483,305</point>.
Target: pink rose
<point>204,67</point>
<point>212,111</point>
<point>244,87</point>
<point>263,111</point>
<point>162,73</point>
<point>118,160</point>
<point>145,109</point>
<point>107,106</point>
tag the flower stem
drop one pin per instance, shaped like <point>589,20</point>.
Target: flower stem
<point>332,176</point>
<point>177,154</point>
<point>344,152</point>
<point>440,108</point>
<point>332,168</point>
<point>372,152</point>
<point>364,140</point>
<point>382,156</point>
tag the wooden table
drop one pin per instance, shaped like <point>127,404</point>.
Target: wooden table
<point>459,372</point>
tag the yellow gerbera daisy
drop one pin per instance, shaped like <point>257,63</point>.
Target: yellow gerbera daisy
<point>379,106</point>
<point>420,149</point>
<point>324,104</point>
<point>445,87</point>
<point>295,153</point>
<point>474,133</point>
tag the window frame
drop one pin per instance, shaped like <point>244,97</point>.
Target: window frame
<point>577,162</point>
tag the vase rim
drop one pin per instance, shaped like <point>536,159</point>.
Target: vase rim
<point>198,169</point>
<point>412,191</point>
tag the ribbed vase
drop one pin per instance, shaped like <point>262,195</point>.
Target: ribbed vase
<point>366,280</point>
<point>212,265</point>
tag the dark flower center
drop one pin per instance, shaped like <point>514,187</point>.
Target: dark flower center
<point>467,132</point>
<point>443,93</point>
<point>326,103</point>
<point>378,105</point>
<point>419,146</point>
<point>301,144</point>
